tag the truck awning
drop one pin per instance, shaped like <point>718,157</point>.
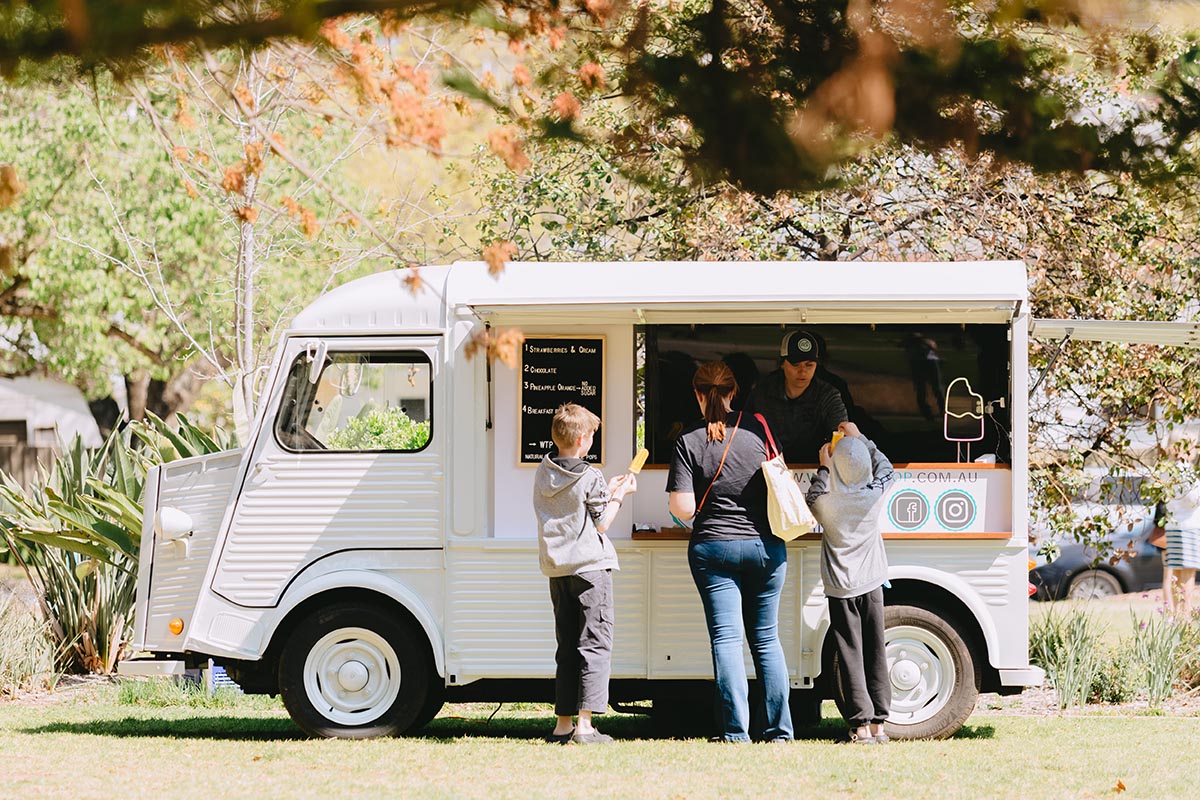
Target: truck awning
<point>1178,334</point>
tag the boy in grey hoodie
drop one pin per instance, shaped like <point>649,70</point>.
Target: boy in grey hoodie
<point>574,508</point>
<point>847,497</point>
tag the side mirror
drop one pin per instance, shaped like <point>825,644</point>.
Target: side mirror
<point>314,352</point>
<point>963,420</point>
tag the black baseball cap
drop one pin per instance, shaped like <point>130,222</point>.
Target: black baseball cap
<point>799,346</point>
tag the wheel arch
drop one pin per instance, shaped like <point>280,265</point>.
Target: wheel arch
<point>360,586</point>
<point>974,624</point>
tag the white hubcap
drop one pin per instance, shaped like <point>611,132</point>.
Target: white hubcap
<point>352,676</point>
<point>922,673</point>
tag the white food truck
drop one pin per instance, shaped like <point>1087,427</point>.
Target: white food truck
<point>371,551</point>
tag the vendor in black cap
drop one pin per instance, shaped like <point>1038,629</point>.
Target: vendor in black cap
<point>802,410</point>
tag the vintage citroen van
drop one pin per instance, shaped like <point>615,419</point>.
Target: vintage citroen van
<point>371,551</point>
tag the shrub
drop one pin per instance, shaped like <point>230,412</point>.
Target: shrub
<point>1156,647</point>
<point>1067,647</point>
<point>26,659</point>
<point>1119,678</point>
<point>381,429</point>
<point>76,532</point>
<point>1188,655</point>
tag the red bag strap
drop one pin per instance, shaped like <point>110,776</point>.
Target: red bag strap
<point>718,473</point>
<point>772,449</point>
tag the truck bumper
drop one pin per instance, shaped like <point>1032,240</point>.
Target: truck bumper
<point>1023,676</point>
<point>150,668</point>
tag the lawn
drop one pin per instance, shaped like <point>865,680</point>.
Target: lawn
<point>93,747</point>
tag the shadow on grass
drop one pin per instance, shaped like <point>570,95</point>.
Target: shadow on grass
<point>445,729</point>
<point>448,728</point>
<point>231,728</point>
<point>975,732</point>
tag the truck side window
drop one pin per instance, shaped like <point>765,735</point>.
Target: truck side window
<point>362,401</point>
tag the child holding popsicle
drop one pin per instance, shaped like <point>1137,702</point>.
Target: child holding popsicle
<point>574,508</point>
<point>847,497</point>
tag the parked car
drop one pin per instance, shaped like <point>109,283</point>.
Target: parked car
<point>1125,562</point>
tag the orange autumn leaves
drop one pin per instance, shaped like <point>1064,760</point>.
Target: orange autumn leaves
<point>502,345</point>
<point>391,85</point>
<point>506,141</point>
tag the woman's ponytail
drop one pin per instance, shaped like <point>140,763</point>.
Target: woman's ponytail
<point>716,384</point>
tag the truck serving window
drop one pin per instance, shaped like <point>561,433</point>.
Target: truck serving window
<point>364,401</point>
<point>893,379</point>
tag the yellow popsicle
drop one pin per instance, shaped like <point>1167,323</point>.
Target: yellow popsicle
<point>635,466</point>
<point>837,435</point>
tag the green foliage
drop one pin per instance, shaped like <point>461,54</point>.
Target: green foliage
<point>1068,648</point>
<point>1188,678</point>
<point>381,429</point>
<point>1159,659</point>
<point>768,97</point>
<point>82,524</point>
<point>184,441</point>
<point>90,167</point>
<point>1156,648</point>
<point>89,603</point>
<point>1119,678</point>
<point>26,659</point>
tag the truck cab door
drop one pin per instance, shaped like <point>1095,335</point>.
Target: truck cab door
<point>349,457</point>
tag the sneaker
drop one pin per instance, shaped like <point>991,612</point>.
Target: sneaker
<point>882,738</point>
<point>856,739</point>
<point>595,737</point>
<point>560,738</point>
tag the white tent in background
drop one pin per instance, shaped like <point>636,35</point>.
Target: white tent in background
<point>52,412</point>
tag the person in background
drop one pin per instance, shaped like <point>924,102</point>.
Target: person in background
<point>738,565</point>
<point>574,508</point>
<point>925,366</point>
<point>1181,559</point>
<point>801,409</point>
<point>847,496</point>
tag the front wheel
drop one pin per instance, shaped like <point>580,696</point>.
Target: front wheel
<point>354,671</point>
<point>933,675</point>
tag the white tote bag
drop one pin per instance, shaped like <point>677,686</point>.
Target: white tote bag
<point>786,509</point>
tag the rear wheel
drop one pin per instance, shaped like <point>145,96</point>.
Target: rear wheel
<point>933,675</point>
<point>1093,584</point>
<point>355,671</point>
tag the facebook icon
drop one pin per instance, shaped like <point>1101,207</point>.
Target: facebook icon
<point>908,510</point>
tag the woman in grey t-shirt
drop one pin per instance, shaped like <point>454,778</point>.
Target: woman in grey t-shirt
<point>738,565</point>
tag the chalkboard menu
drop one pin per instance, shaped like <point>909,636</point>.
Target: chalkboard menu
<point>557,370</point>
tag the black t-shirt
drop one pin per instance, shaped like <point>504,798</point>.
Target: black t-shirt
<point>801,424</point>
<point>737,505</point>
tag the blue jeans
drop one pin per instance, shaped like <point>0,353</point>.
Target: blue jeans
<point>740,581</point>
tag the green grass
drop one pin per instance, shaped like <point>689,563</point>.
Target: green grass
<point>97,747</point>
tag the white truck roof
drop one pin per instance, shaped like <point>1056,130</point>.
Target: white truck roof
<point>658,292</point>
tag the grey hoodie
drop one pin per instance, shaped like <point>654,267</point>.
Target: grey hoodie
<point>848,501</point>
<point>568,500</point>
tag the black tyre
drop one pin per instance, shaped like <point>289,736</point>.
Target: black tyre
<point>434,701</point>
<point>935,681</point>
<point>355,671</point>
<point>1093,584</point>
